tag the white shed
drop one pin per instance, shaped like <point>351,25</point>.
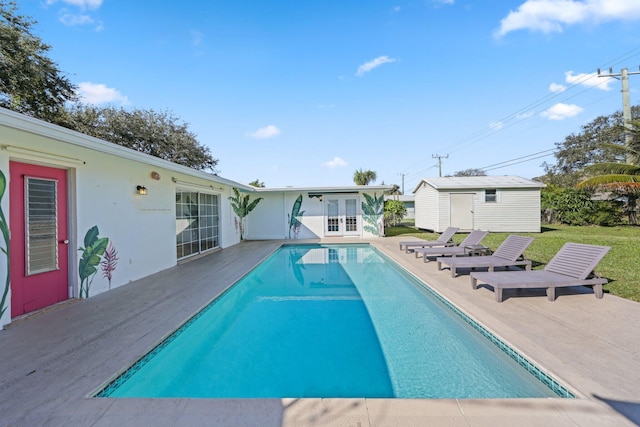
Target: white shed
<point>493,203</point>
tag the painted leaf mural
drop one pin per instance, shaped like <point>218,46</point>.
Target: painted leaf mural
<point>373,210</point>
<point>109,262</point>
<point>294,219</point>
<point>4,228</point>
<point>92,252</point>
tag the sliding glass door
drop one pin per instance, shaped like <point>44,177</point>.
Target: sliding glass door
<point>197,223</point>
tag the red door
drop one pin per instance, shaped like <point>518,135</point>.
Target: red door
<point>39,239</point>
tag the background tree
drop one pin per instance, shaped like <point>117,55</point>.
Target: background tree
<point>470,172</point>
<point>362,177</point>
<point>395,191</point>
<point>30,82</point>
<point>158,134</point>
<point>242,207</point>
<point>596,143</point>
<point>257,183</point>
<point>620,178</point>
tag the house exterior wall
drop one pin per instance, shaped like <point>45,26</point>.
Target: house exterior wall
<point>102,193</point>
<point>140,231</point>
<point>271,219</point>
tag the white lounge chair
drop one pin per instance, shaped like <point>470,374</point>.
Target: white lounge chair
<point>508,254</point>
<point>572,266</point>
<point>443,240</point>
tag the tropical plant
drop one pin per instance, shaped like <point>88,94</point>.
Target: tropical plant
<point>362,177</point>
<point>30,82</point>
<point>621,179</point>
<point>294,219</point>
<point>4,228</point>
<point>109,262</point>
<point>573,206</point>
<point>242,207</point>
<point>93,250</point>
<point>394,211</point>
<point>373,209</point>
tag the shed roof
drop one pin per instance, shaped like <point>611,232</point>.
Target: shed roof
<point>479,182</point>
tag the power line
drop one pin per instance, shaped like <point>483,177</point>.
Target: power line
<point>548,152</point>
<point>524,113</point>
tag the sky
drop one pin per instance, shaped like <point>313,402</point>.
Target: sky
<point>304,93</point>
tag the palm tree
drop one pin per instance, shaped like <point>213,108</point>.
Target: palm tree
<point>361,177</point>
<point>242,207</point>
<point>620,178</point>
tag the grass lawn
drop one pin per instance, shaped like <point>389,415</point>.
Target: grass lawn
<point>621,266</point>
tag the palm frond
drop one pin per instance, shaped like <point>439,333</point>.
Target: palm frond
<point>613,169</point>
<point>609,180</point>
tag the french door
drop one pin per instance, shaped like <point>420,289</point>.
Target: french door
<point>39,245</point>
<point>342,216</point>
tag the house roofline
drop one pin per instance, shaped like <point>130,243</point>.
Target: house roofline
<point>24,123</point>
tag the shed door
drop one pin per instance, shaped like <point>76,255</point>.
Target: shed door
<point>39,242</point>
<point>461,211</point>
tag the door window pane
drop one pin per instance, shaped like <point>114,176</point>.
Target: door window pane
<point>333,216</point>
<point>41,225</point>
<point>351,218</point>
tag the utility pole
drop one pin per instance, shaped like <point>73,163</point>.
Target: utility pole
<point>402,175</point>
<point>623,76</point>
<point>436,156</point>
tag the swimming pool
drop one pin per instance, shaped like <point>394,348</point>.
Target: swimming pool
<point>331,321</point>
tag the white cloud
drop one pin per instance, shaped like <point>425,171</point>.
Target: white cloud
<point>84,4</point>
<point>197,37</point>
<point>561,111</point>
<point>589,80</point>
<point>71,20</point>
<point>337,162</point>
<point>526,115</point>
<point>266,132</point>
<point>496,125</point>
<point>375,63</point>
<point>557,88</point>
<point>548,16</point>
<point>443,1</point>
<point>98,93</point>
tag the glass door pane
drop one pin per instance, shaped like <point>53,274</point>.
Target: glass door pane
<point>351,215</point>
<point>41,225</point>
<point>333,216</point>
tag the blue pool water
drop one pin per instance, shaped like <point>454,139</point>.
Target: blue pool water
<point>331,321</point>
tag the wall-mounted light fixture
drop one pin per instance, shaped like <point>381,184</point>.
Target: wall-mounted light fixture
<point>142,190</point>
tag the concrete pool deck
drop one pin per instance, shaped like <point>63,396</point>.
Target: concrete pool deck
<point>54,359</point>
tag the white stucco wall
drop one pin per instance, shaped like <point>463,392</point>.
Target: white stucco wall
<point>271,218</point>
<point>102,193</point>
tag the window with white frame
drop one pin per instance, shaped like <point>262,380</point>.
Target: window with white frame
<point>197,223</point>
<point>490,196</point>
